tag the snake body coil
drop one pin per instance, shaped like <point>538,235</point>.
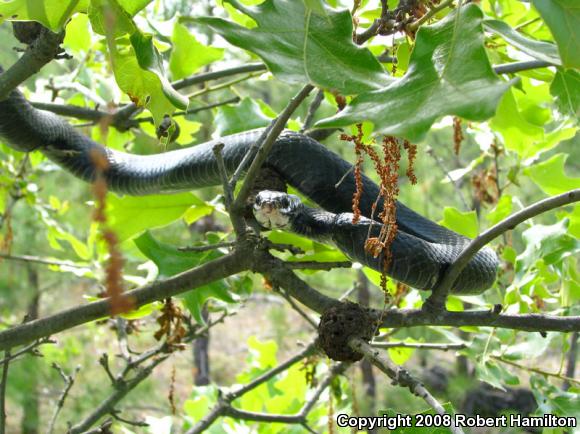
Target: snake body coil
<point>421,250</point>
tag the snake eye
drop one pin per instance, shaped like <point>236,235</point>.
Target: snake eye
<point>258,201</point>
<point>285,202</point>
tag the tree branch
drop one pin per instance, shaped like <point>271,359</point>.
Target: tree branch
<point>224,401</point>
<point>436,300</point>
<point>281,276</point>
<point>224,407</point>
<point>44,49</point>
<point>400,376</point>
<point>232,263</point>
<point>511,68</point>
<point>122,388</point>
<point>258,153</point>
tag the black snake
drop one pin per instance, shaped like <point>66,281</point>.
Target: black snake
<point>421,249</point>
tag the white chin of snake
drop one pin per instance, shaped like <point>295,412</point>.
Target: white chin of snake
<point>271,219</point>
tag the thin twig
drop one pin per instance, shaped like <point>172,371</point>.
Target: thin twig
<point>297,308</point>
<point>314,105</point>
<point>191,111</point>
<point>3,385</point>
<point>536,370</point>
<point>216,75</point>
<point>283,247</point>
<point>237,221</point>
<point>437,299</point>
<point>39,260</point>
<point>418,345</point>
<point>315,265</point>
<point>443,169</point>
<point>430,14</point>
<point>222,85</point>
<point>208,247</point>
<point>116,416</point>
<point>104,362</point>
<point>28,349</point>
<point>68,383</point>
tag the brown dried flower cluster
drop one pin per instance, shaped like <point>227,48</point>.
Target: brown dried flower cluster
<point>411,157</point>
<point>171,394</point>
<point>485,186</point>
<point>170,324</point>
<point>114,267</point>
<point>387,167</point>
<point>457,135</point>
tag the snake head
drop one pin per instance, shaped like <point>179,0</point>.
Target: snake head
<point>274,209</point>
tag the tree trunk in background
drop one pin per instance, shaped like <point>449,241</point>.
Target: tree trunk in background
<point>572,357</point>
<point>368,377</point>
<point>201,356</point>
<point>30,401</point>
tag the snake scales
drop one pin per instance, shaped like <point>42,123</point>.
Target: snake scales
<point>421,250</point>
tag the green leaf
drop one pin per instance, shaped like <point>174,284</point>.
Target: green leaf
<point>537,49</point>
<point>247,115</point>
<point>553,400</point>
<point>449,74</point>
<point>171,261</point>
<point>188,55</point>
<point>150,60</point>
<point>114,17</point>
<point>109,18</point>
<point>299,46</point>
<point>133,6</point>
<point>78,35</point>
<point>494,374</point>
<point>131,215</point>
<point>550,243</point>
<point>550,175</point>
<point>566,90</point>
<point>502,209</point>
<point>52,14</point>
<point>464,223</point>
<point>520,135</point>
<point>143,87</point>
<point>317,6</point>
<point>574,217</point>
<point>563,19</point>
<point>533,346</point>
<point>202,400</point>
<point>400,355</point>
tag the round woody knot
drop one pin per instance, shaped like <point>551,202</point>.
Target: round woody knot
<point>339,324</point>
